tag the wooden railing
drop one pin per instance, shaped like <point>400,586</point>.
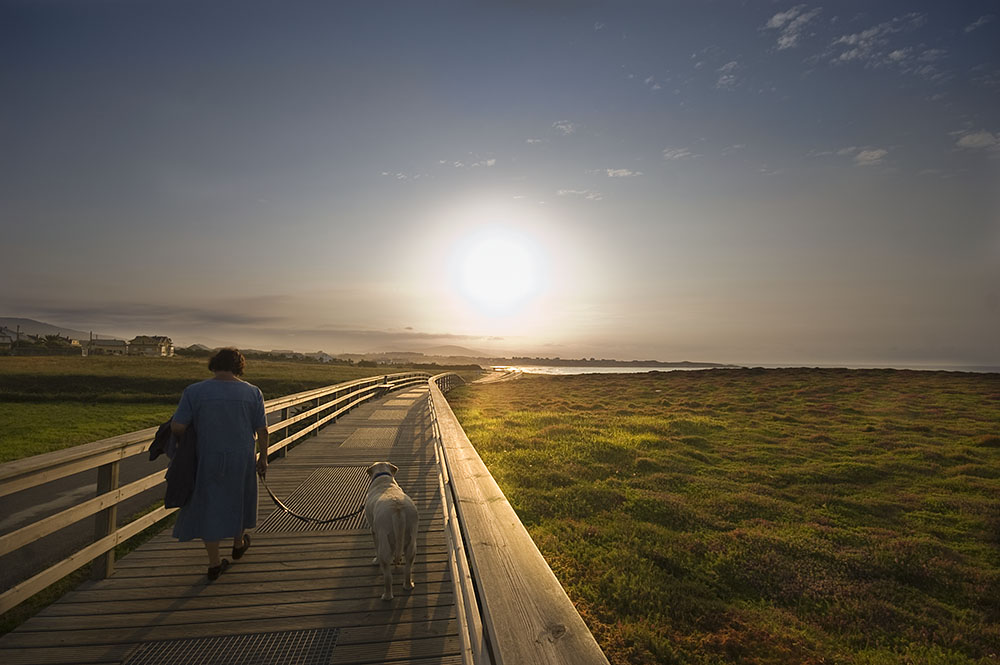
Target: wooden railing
<point>303,412</point>
<point>511,607</point>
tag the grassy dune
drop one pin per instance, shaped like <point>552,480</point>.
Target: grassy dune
<point>760,516</point>
<point>50,403</point>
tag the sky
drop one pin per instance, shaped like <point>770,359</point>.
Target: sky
<point>748,182</point>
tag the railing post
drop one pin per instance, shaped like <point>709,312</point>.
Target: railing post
<point>106,521</point>
<point>284,433</point>
<point>315,418</point>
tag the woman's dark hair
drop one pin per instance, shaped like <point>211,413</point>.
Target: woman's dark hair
<point>228,360</point>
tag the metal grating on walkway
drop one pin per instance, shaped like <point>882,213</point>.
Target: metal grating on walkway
<point>327,492</point>
<point>372,437</point>
<point>290,647</point>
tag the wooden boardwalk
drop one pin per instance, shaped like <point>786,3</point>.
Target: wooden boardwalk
<point>298,584</point>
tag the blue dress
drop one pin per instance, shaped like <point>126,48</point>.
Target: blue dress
<point>225,415</point>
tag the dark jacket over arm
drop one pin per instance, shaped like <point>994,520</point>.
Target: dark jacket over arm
<point>183,456</point>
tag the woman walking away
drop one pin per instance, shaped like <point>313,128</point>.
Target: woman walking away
<point>225,412</point>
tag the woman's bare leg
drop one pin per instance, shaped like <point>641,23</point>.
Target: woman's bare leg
<point>213,554</point>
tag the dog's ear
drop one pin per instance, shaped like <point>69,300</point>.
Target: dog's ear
<point>393,468</point>
<point>371,469</point>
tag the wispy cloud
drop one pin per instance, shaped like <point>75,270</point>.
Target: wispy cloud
<point>650,82</point>
<point>879,46</point>
<point>871,47</point>
<point>870,157</point>
<point>584,193</point>
<point>790,24</point>
<point>618,173</point>
<point>598,26</point>
<point>861,156</point>
<point>727,75</point>
<point>979,140</point>
<point>475,162</point>
<point>533,141</point>
<point>565,127</point>
<point>979,22</point>
<point>677,153</point>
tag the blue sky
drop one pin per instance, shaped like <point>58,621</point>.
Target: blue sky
<point>745,182</point>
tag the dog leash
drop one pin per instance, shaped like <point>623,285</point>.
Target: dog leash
<point>306,518</point>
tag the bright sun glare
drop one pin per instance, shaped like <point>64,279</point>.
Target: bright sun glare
<point>498,271</point>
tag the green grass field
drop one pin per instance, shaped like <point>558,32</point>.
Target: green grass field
<point>760,516</point>
<point>50,403</point>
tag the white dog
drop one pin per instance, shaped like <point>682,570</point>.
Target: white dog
<point>393,521</point>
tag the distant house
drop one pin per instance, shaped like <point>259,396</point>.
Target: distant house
<point>46,345</point>
<point>6,343</point>
<point>107,347</point>
<point>146,345</point>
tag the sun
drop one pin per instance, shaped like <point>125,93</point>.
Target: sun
<point>498,271</point>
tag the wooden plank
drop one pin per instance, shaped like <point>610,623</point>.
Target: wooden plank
<point>528,616</point>
<point>341,579</point>
<point>105,653</point>
<point>364,392</point>
<point>387,652</point>
<point>196,576</point>
<point>357,540</point>
<point>352,606</point>
<point>317,593</point>
<point>165,542</point>
<point>60,469</point>
<point>13,596</point>
<point>297,398</point>
<point>11,471</point>
<point>360,550</point>
<point>106,521</point>
<point>314,564</point>
<point>284,443</point>
<point>15,539</point>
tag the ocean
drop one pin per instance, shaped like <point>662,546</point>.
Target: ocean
<point>558,370</point>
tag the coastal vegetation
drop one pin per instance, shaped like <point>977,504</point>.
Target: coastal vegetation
<point>760,516</point>
<point>52,402</point>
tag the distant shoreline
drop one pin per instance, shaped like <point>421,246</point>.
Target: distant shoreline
<point>609,362</point>
<point>549,369</point>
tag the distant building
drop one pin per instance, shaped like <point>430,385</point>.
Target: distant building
<point>46,345</point>
<point>146,345</point>
<point>6,343</point>
<point>107,347</point>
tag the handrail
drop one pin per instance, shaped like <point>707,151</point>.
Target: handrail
<point>475,650</point>
<point>105,456</point>
<point>38,469</point>
<point>524,613</point>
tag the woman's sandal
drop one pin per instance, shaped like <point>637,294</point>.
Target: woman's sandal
<point>215,571</point>
<point>238,552</point>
